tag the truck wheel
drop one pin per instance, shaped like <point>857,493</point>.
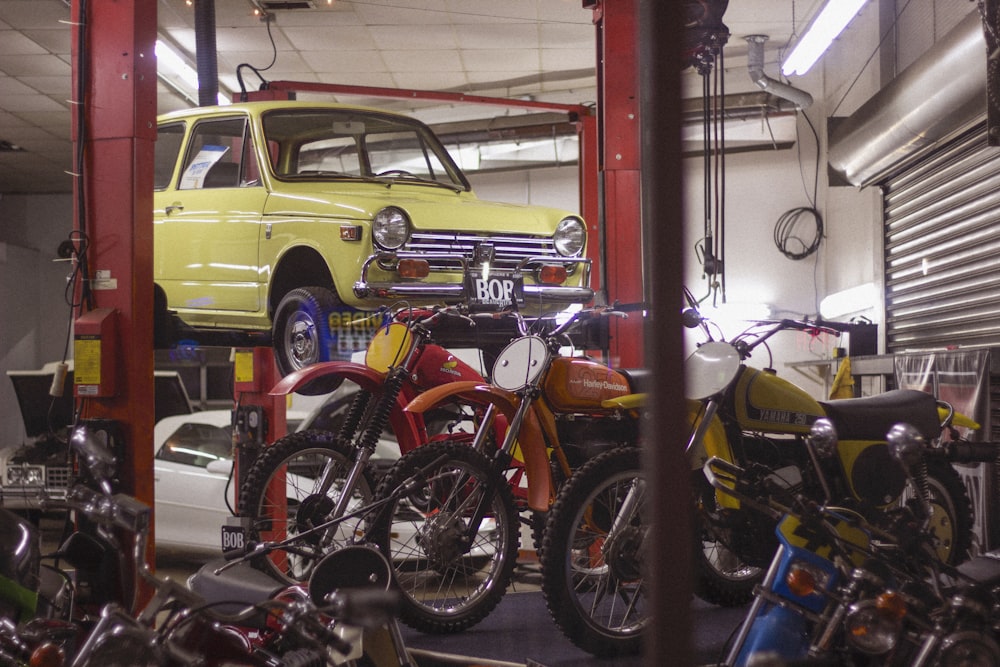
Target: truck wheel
<point>301,334</point>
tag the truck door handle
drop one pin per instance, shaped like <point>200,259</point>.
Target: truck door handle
<point>173,207</point>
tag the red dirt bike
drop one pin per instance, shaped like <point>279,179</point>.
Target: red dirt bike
<point>307,478</point>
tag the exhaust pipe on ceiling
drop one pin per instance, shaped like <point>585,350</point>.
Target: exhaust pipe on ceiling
<point>755,64</point>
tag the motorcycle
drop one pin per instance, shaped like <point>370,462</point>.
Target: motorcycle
<point>308,477</point>
<point>840,590</point>
<point>348,604</point>
<point>454,543</point>
<point>745,415</point>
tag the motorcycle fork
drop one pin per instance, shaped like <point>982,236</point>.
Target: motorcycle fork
<point>706,420</point>
<point>500,462</point>
<point>755,608</point>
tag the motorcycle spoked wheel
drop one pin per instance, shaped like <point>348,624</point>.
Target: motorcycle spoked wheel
<point>597,596</point>
<point>721,577</point>
<point>300,458</point>
<point>951,512</point>
<point>445,587</point>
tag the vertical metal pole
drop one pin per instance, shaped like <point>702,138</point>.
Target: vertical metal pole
<point>662,219</point>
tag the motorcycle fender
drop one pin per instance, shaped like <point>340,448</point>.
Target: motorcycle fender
<point>715,443</point>
<point>776,630</point>
<point>362,375</point>
<point>958,419</point>
<point>469,391</point>
<point>536,462</point>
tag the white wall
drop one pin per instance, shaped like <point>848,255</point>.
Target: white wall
<point>35,319</point>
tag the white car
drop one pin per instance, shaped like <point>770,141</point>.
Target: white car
<point>191,495</point>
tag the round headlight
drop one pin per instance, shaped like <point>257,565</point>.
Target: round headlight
<point>969,647</point>
<point>390,228</point>
<point>570,237</point>
<point>870,630</point>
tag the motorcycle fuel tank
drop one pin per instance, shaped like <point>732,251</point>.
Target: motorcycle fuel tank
<point>437,366</point>
<point>574,383</point>
<point>769,404</point>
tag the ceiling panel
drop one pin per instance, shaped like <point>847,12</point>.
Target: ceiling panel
<point>543,49</point>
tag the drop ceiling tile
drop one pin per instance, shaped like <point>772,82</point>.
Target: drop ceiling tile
<point>497,36</point>
<point>340,14</point>
<point>334,62</point>
<point>403,13</point>
<point>564,11</point>
<point>562,35</point>
<point>17,44</point>
<point>516,61</point>
<point>558,60</point>
<point>58,40</point>
<point>41,65</point>
<point>26,14</point>
<point>347,38</point>
<point>30,103</point>
<point>487,11</point>
<point>413,37</point>
<point>430,80</point>
<point>422,61</point>
<point>13,86</point>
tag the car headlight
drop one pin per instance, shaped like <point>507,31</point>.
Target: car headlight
<point>390,228</point>
<point>570,237</point>
<point>25,475</point>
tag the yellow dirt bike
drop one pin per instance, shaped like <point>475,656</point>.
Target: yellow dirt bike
<point>746,415</point>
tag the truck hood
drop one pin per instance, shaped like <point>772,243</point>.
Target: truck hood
<point>429,207</point>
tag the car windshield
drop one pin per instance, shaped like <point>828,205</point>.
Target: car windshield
<point>337,143</point>
<point>197,444</point>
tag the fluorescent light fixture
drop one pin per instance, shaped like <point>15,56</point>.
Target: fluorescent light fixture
<point>848,301</point>
<point>829,23</point>
<point>173,70</point>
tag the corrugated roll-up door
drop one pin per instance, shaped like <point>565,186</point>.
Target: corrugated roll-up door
<point>942,247</point>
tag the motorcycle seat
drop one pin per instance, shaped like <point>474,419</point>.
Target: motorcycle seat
<point>236,588</point>
<point>638,379</point>
<point>870,418</point>
<point>983,570</point>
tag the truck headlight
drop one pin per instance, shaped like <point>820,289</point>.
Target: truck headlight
<point>25,475</point>
<point>570,237</point>
<point>390,228</point>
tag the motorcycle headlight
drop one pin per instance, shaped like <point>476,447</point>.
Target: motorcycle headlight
<point>823,437</point>
<point>570,237</point>
<point>390,228</point>
<point>969,649</point>
<point>26,475</point>
<point>871,629</point>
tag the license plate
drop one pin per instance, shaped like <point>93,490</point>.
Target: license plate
<point>233,538</point>
<point>496,291</point>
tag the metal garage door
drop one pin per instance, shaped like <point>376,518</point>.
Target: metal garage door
<point>942,247</point>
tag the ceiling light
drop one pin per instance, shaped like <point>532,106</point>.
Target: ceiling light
<point>174,70</point>
<point>829,23</point>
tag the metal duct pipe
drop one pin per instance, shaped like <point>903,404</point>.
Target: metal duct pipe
<point>942,91</point>
<point>206,54</point>
<point>755,64</point>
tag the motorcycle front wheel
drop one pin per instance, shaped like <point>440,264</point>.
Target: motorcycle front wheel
<point>592,581</point>
<point>721,576</point>
<point>446,584</point>
<point>283,496</point>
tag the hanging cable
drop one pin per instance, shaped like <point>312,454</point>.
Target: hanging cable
<point>789,243</point>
